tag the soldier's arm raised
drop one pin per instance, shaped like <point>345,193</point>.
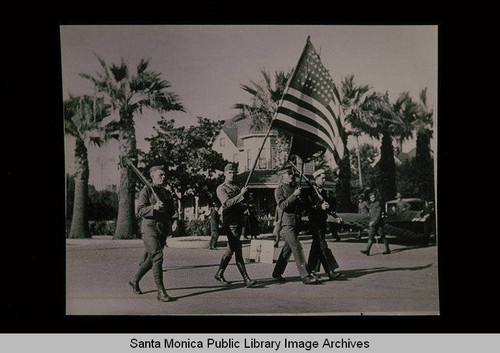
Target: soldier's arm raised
<point>226,200</point>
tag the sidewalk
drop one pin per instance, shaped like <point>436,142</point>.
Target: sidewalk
<point>402,283</point>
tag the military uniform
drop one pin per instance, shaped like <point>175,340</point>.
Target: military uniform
<point>376,227</point>
<point>231,199</point>
<point>154,230</point>
<point>288,205</point>
<point>320,253</point>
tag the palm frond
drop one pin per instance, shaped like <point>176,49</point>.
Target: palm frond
<point>143,65</point>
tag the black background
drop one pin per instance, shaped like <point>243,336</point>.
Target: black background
<point>33,243</point>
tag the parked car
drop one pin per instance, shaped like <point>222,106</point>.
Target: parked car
<point>416,204</point>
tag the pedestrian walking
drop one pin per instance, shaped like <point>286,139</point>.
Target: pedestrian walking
<point>362,210</point>
<point>376,225</point>
<point>289,203</point>
<point>231,197</point>
<point>156,209</point>
<point>320,207</point>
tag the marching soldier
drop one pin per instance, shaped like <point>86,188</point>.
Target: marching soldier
<point>231,197</point>
<point>321,206</point>
<point>288,202</point>
<point>376,225</point>
<point>157,210</point>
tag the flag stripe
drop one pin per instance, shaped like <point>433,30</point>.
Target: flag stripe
<point>305,118</point>
<point>326,111</point>
<point>318,113</point>
<point>309,112</point>
<point>307,108</point>
<point>292,120</point>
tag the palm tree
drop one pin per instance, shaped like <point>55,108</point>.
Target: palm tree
<point>83,117</point>
<point>352,101</point>
<point>387,121</point>
<point>424,168</point>
<point>129,94</point>
<point>266,96</point>
<point>265,99</point>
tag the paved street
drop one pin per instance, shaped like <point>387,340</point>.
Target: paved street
<point>402,283</point>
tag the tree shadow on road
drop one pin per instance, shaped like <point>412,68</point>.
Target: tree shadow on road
<point>349,274</point>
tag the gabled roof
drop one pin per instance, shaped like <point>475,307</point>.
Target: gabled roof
<point>232,133</point>
<point>235,128</point>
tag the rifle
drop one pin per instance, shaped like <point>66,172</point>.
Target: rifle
<point>321,198</point>
<point>142,177</point>
<point>308,182</point>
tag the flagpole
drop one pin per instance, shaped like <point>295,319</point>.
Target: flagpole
<point>260,150</point>
<point>274,116</point>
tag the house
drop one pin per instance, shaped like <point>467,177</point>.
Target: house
<point>239,143</point>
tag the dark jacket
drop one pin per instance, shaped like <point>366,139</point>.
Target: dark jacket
<point>375,212</point>
<point>150,216</point>
<point>316,213</point>
<point>363,208</point>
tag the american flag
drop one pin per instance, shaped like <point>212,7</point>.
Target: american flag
<point>307,109</point>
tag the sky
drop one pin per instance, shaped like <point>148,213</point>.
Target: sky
<point>207,64</point>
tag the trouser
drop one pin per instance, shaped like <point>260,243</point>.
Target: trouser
<point>214,237</point>
<point>234,247</point>
<point>377,229</point>
<point>154,239</point>
<point>320,254</point>
<point>276,232</point>
<point>429,226</point>
<point>292,246</point>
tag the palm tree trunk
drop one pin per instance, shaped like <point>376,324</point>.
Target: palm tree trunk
<point>79,222</point>
<point>343,189</point>
<point>387,169</point>
<point>424,167</point>
<point>358,154</point>
<point>126,224</point>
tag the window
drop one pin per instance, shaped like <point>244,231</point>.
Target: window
<point>249,159</point>
<point>222,142</point>
<point>262,159</point>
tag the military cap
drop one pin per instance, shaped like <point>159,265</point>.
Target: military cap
<point>318,172</point>
<point>229,166</point>
<point>156,167</point>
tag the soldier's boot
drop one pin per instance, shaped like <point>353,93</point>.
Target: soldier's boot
<point>219,276</point>
<point>241,267</point>
<point>387,250</point>
<point>145,266</point>
<point>158,277</point>
<point>368,247</point>
<point>163,296</point>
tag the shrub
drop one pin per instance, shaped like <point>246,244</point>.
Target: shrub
<point>265,225</point>
<point>102,227</point>
<point>198,227</point>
